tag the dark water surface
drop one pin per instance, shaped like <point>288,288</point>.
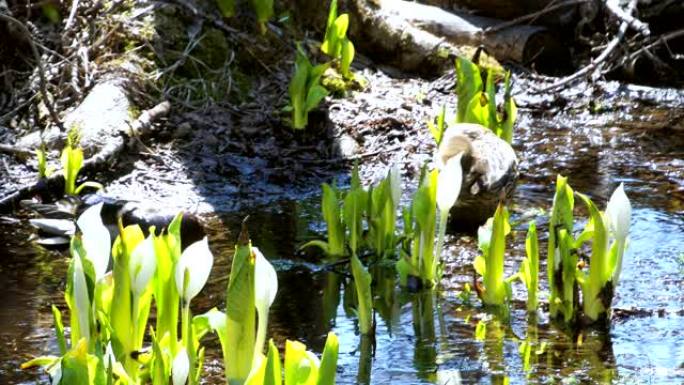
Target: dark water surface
<point>430,338</point>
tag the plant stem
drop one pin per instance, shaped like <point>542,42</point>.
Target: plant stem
<point>443,216</point>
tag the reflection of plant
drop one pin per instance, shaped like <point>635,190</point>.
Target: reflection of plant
<point>305,89</point>
<point>529,269</point>
<point>336,44</point>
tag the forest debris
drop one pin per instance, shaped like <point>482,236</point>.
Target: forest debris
<point>595,67</point>
<point>98,118</point>
<point>115,145</point>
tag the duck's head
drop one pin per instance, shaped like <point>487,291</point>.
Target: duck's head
<point>453,145</point>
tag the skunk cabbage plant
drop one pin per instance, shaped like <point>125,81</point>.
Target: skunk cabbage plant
<point>490,264</point>
<point>305,89</point>
<point>477,104</point>
<point>562,297</point>
<point>609,233</point>
<point>336,44</point>
<point>420,219</point>
<point>72,162</point>
<point>109,313</point>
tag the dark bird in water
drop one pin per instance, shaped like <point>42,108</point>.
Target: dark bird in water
<point>490,169</point>
<point>57,220</point>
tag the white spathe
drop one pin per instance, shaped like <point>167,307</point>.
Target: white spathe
<point>449,183</point>
<point>265,280</point>
<point>142,265</point>
<point>96,239</point>
<point>619,213</point>
<point>81,298</point>
<point>198,260</point>
<point>180,368</point>
<point>265,289</point>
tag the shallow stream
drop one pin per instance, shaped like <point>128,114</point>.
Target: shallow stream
<point>430,338</point>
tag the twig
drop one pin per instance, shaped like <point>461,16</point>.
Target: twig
<point>532,16</point>
<point>591,67</point>
<point>41,70</point>
<point>613,6</point>
<point>72,14</point>
<point>662,39</point>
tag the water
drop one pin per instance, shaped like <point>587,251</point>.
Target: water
<point>426,338</point>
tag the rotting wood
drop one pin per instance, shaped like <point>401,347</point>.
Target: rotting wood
<point>141,126</point>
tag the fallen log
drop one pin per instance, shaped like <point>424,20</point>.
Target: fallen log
<point>523,44</point>
<point>422,38</point>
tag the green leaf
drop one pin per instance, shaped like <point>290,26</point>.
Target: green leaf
<point>477,111</point>
<point>328,368</point>
<point>599,270</point>
<point>59,330</point>
<point>314,97</point>
<point>468,85</point>
<point>510,110</point>
<point>490,91</point>
<point>240,312</point>
<point>347,57</point>
<point>530,268</point>
<point>437,128</point>
<point>273,375</point>
<point>263,10</point>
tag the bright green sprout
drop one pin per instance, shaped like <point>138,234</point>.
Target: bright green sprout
<point>72,161</point>
<point>44,171</point>
<point>264,12</point>
<point>336,44</point>
<point>305,89</point>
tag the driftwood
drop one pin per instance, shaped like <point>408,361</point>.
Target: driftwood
<point>114,146</point>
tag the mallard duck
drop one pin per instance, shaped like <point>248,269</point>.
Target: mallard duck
<point>490,169</point>
<point>57,220</point>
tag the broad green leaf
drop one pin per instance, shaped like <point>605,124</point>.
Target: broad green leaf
<point>328,368</point>
<point>490,92</point>
<point>240,312</point>
<point>468,85</point>
<point>510,111</point>
<point>273,372</point>
<point>346,58</point>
